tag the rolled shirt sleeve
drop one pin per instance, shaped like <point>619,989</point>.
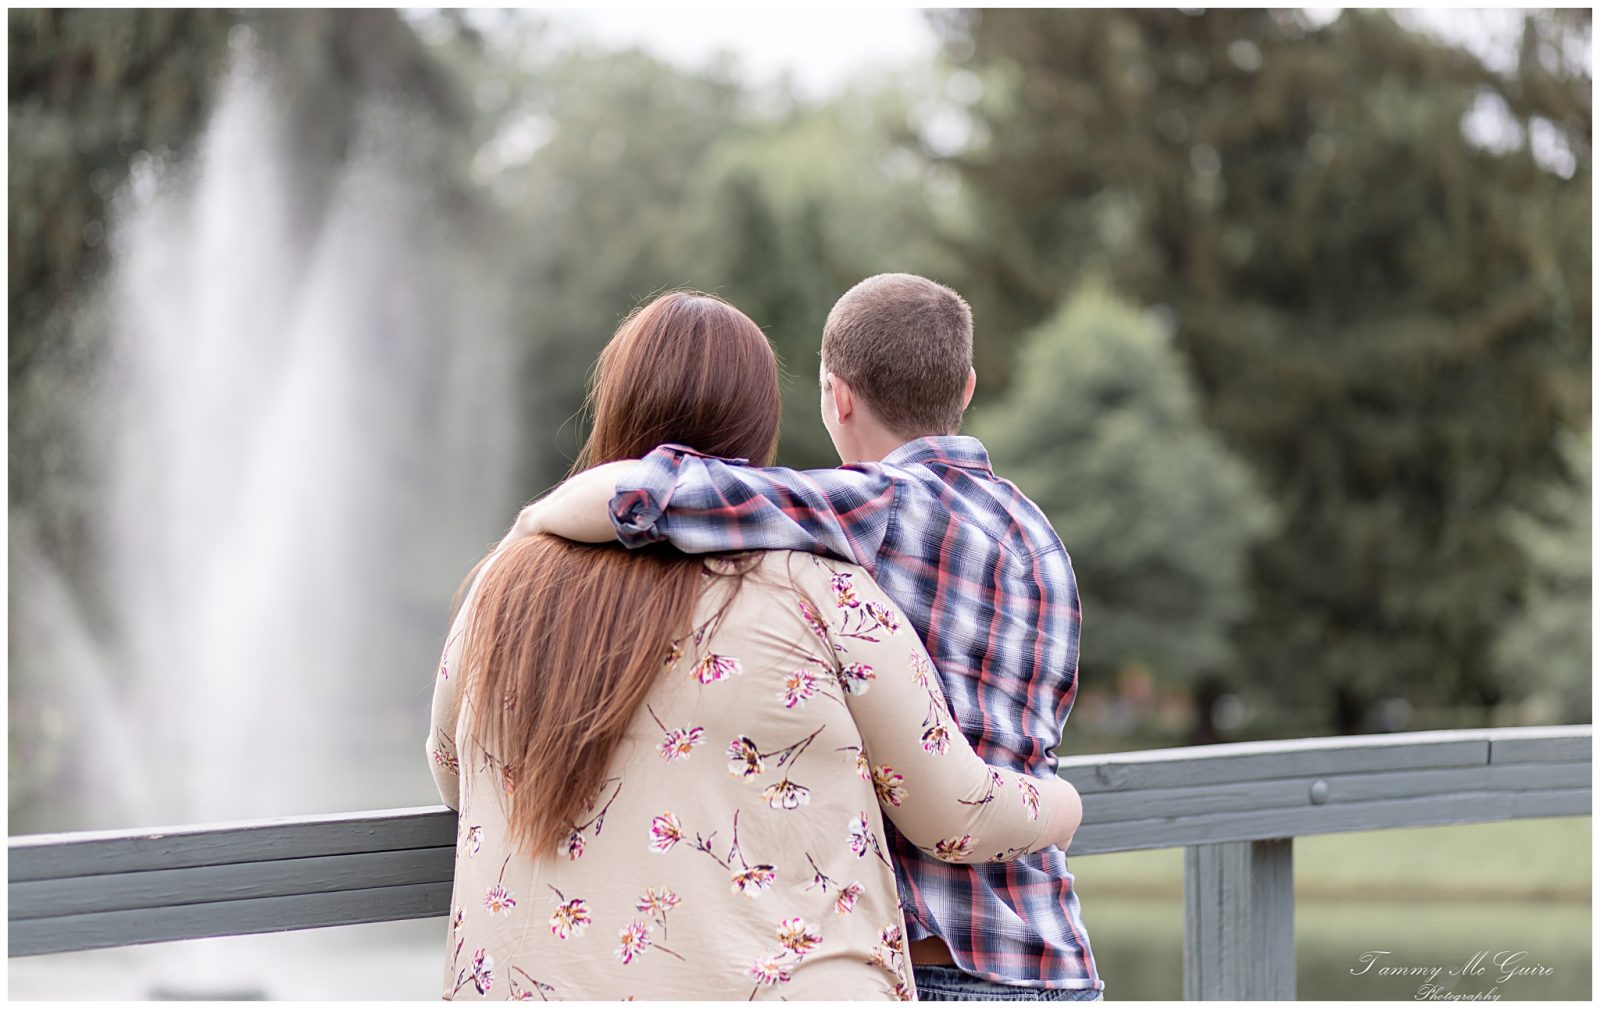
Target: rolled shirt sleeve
<point>639,506</point>
<point>701,504</point>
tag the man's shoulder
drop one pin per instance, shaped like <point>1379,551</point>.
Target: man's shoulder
<point>979,499</point>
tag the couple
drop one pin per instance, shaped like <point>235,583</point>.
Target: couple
<point>721,763</point>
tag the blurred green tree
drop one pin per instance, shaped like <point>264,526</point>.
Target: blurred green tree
<point>620,176</point>
<point>1102,428</point>
<point>802,208</point>
<point>1387,313</point>
<point>1546,650</point>
<point>591,168</point>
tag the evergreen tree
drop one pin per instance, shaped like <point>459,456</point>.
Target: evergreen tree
<point>1546,650</point>
<point>1387,316</point>
<point>806,205</point>
<point>1102,429</point>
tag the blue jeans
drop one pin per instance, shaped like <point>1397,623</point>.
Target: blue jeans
<point>936,983</point>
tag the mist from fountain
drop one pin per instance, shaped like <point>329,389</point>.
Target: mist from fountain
<point>312,435</point>
<point>314,439</point>
<point>314,445</point>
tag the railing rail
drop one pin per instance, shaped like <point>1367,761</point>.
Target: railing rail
<point>1235,807</point>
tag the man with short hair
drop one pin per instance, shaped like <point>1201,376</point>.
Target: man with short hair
<point>974,564</point>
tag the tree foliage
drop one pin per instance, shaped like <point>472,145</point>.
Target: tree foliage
<point>1376,303</point>
<point>1389,319</point>
<point>1102,428</point>
<point>1546,649</point>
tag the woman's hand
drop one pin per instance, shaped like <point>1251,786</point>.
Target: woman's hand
<point>579,508</point>
<point>530,522</point>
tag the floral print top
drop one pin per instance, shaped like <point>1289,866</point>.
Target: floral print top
<point>735,849</point>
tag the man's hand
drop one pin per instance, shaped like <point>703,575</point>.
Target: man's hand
<point>578,509</point>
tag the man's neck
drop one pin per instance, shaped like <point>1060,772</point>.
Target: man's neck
<point>874,446</point>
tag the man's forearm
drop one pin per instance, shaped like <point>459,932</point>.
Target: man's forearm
<point>579,509</point>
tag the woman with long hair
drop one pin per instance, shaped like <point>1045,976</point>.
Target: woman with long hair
<point>671,770</point>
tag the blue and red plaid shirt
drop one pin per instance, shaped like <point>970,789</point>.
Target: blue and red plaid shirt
<point>985,580</point>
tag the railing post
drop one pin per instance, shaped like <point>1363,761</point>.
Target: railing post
<point>1238,929</point>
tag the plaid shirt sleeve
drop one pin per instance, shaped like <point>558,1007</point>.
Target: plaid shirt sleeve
<point>701,504</point>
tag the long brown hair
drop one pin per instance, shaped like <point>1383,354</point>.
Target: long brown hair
<point>566,640</point>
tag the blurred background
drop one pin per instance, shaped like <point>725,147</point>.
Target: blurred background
<point>1283,317</point>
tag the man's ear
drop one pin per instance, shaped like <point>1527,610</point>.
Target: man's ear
<point>844,401</point>
<point>972,383</point>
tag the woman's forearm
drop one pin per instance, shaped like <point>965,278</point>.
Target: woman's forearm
<point>579,509</point>
<point>1066,812</point>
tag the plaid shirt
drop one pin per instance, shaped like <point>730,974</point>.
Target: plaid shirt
<point>985,580</point>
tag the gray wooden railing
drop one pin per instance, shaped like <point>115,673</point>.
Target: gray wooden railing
<point>1235,808</point>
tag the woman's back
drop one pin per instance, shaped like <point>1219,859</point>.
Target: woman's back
<point>735,847</point>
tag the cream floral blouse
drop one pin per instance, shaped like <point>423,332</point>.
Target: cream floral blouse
<point>734,851</point>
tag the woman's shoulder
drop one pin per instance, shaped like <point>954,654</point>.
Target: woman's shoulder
<point>807,568</point>
<point>793,574</point>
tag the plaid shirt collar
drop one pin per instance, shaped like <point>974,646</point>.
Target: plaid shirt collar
<point>958,450</point>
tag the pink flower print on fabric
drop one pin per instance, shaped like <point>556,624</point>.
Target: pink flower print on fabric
<point>447,760</point>
<point>885,618</point>
<point>498,901</point>
<point>716,667</point>
<point>844,593</point>
<point>889,784</point>
<point>665,831</point>
<point>679,743</point>
<point>573,846</point>
<point>634,939</point>
<point>953,849</point>
<point>798,936</point>
<point>676,744</point>
<point>920,670</point>
<point>744,759</point>
<point>769,971</point>
<point>482,971</point>
<point>754,880</point>
<point>891,950</point>
<point>1030,797</point>
<point>658,903</point>
<point>862,765</point>
<point>798,688</point>
<point>860,836</point>
<point>856,677</point>
<point>786,794</point>
<point>570,918</point>
<point>813,619</point>
<point>846,901</point>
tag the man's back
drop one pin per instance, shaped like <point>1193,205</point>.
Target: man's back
<point>990,589</point>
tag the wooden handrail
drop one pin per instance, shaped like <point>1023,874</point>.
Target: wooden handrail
<point>1235,807</point>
